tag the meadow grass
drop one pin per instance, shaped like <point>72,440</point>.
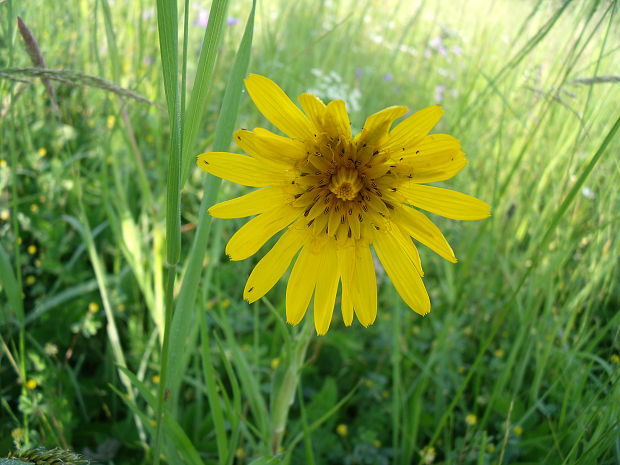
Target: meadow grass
<point>124,333</point>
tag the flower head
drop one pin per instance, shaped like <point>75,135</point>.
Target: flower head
<point>335,195</point>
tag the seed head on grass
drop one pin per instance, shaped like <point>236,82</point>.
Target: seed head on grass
<point>336,195</point>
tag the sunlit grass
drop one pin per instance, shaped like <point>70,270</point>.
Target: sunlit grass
<point>518,360</point>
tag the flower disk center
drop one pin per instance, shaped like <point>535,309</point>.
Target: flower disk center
<point>346,183</point>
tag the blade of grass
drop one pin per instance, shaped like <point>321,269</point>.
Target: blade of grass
<point>223,133</point>
<point>167,21</point>
<point>214,399</point>
<point>206,63</point>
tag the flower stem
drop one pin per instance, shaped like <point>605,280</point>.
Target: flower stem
<point>285,391</point>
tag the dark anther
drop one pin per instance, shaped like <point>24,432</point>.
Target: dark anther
<point>297,196</point>
<point>360,217</point>
<point>251,289</point>
<point>376,152</point>
<point>364,145</point>
<point>365,207</point>
<point>307,212</point>
<point>342,219</point>
<point>377,227</point>
<point>349,233</point>
<point>389,205</point>
<point>417,151</point>
<point>350,212</point>
<point>310,222</point>
<point>326,211</point>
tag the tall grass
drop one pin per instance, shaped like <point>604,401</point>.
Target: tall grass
<point>518,361</point>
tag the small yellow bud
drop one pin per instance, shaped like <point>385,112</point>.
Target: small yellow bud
<point>225,303</point>
<point>152,422</point>
<point>34,208</point>
<point>32,249</point>
<point>240,453</point>
<point>31,384</point>
<point>471,419</point>
<point>427,455</point>
<point>615,358</point>
<point>342,430</point>
<point>30,280</point>
<point>491,448</point>
<point>499,353</point>
<point>42,151</point>
<point>275,363</point>
<point>93,307</point>
<point>5,215</point>
<point>155,379</point>
<point>110,121</point>
<point>518,430</point>
<point>2,163</point>
<point>377,443</point>
<point>461,370</point>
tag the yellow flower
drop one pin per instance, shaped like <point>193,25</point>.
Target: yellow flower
<point>31,384</point>
<point>342,430</point>
<point>336,195</point>
<point>518,430</point>
<point>427,455</point>
<point>471,419</point>
<point>93,307</point>
<point>110,121</point>
<point>32,249</point>
<point>42,151</point>
<point>2,163</point>
<point>155,379</point>
<point>275,363</point>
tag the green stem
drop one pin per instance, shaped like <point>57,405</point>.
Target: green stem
<point>285,392</point>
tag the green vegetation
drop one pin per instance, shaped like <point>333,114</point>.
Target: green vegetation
<point>124,335</point>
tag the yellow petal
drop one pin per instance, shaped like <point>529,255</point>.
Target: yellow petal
<point>423,230</point>
<point>377,126</point>
<point>364,292</point>
<point>408,248</point>
<point>301,284</point>
<point>346,305</point>
<point>272,266</point>
<point>337,119</point>
<point>314,108</point>
<point>413,129</point>
<point>265,145</point>
<point>326,289</point>
<point>402,272</point>
<point>275,105</point>
<point>346,267</point>
<point>252,235</point>
<point>438,157</point>
<point>445,202</point>
<point>255,202</point>
<point>240,169</point>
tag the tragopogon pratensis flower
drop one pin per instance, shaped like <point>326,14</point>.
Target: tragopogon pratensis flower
<point>337,195</point>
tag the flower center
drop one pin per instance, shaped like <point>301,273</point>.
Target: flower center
<point>346,183</point>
